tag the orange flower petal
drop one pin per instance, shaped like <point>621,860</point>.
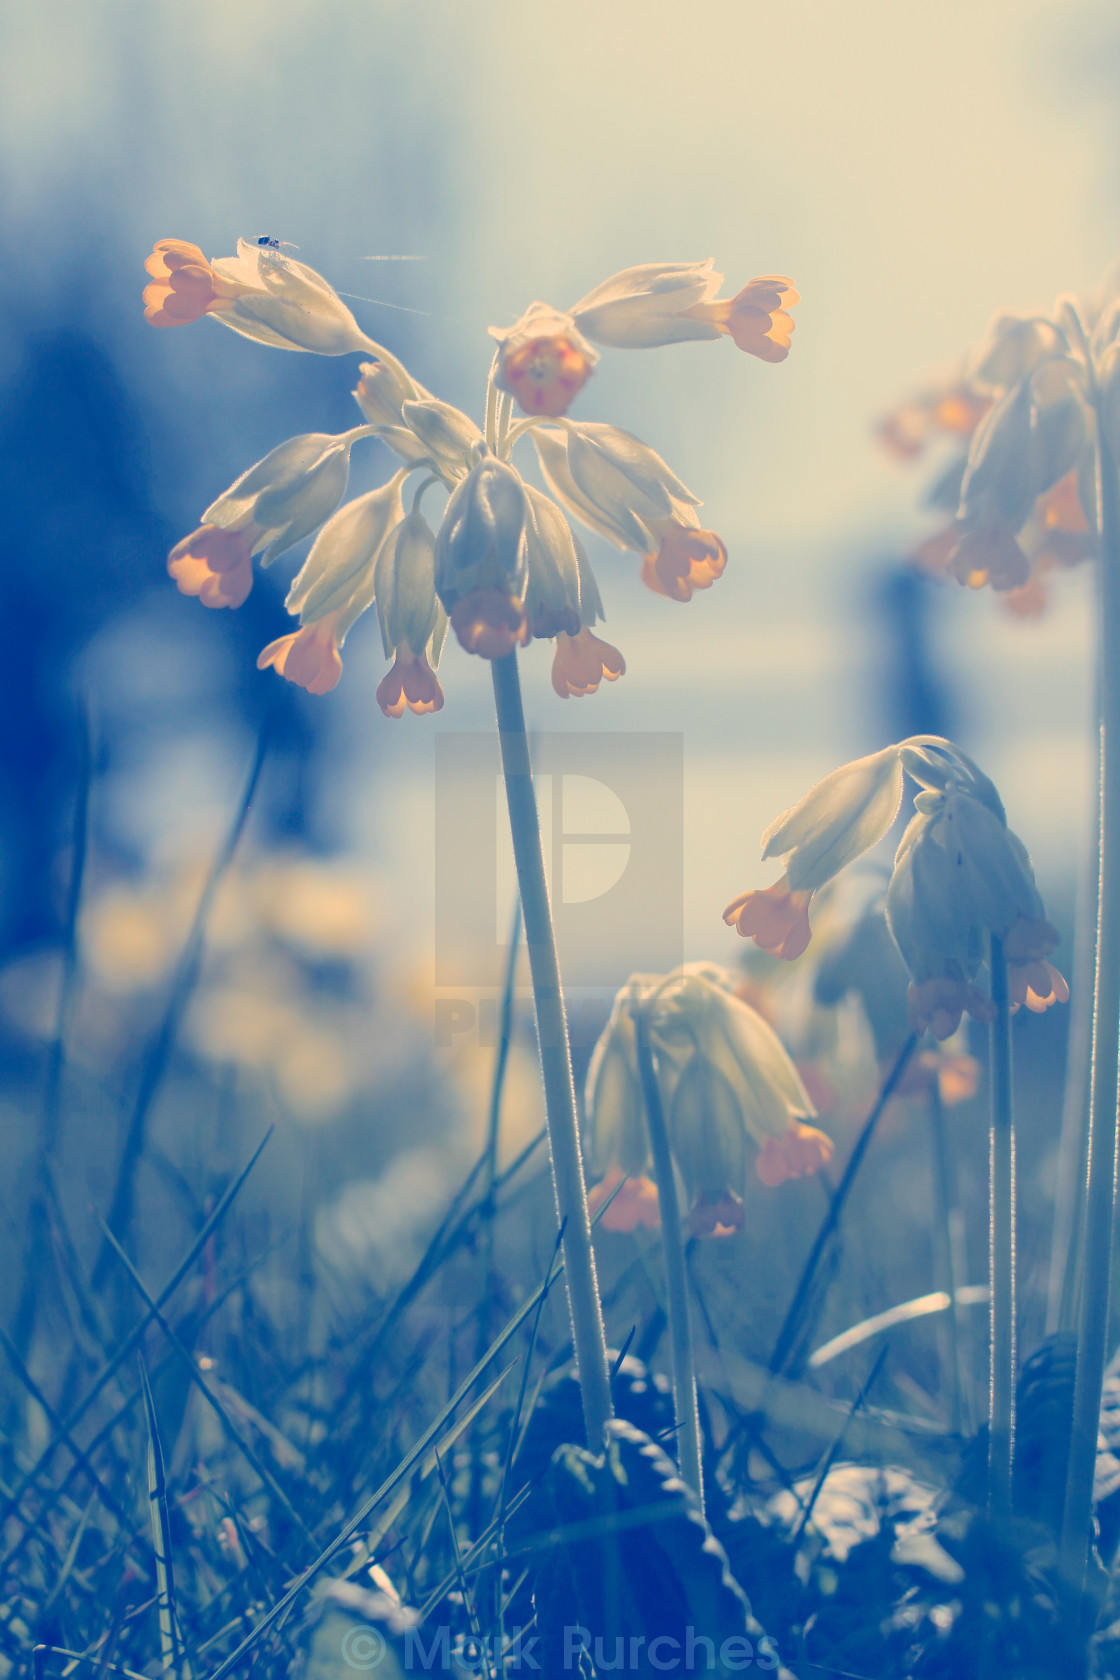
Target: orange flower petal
<point>215,565</point>
<point>411,683</point>
<point>308,657</point>
<point>774,917</point>
<point>582,661</point>
<point>490,624</point>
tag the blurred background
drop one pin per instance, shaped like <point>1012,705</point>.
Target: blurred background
<point>913,168</point>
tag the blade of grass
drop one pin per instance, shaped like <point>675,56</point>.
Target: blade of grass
<point>391,1481</point>
<point>125,1408</point>
<point>792,1326</point>
<point>170,1650</point>
<point>397,1504</point>
<point>121,1208</point>
<point>131,1341</point>
<point>104,1492</point>
<point>831,1455</point>
<point>448,1239</point>
<point>208,1394</point>
<point>468,1600</point>
<point>38,1265</point>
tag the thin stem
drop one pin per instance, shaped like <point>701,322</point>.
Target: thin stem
<point>588,1336</point>
<point>493,1127</point>
<point>489,424</point>
<point>1001,1250</point>
<point>676,1280</point>
<point>515,433</point>
<point>945,1198</point>
<point>1064,1280</point>
<point>1092,1346</point>
<point>382,355</point>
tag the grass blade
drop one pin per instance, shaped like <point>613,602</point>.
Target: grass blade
<point>170,1653</point>
<point>186,973</point>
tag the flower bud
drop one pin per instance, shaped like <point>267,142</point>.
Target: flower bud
<point>268,509</point>
<point>960,878</point>
<point>333,588</point>
<point>1014,347</point>
<point>838,820</point>
<point>412,621</point>
<point>381,393</point>
<point>345,548</point>
<point>624,480</point>
<point>481,559</point>
<point>552,452</point>
<point>544,360</point>
<point>552,595</point>
<point>646,306</point>
<point>1029,441</point>
<point>407,608</point>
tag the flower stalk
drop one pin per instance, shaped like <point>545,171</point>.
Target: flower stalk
<point>676,1280</point>
<point>1092,1346</point>
<point>1001,1249</point>
<point>588,1335</point>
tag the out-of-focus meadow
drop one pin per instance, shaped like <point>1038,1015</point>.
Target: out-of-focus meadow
<point>914,169</point>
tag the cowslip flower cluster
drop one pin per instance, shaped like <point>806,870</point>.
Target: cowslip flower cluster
<point>960,878</point>
<point>1025,411</point>
<point>727,1088</point>
<point>502,565</point>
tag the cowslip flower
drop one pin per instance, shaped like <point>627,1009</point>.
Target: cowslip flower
<point>727,1087</point>
<point>837,821</point>
<point>960,879</point>
<point>333,588</point>
<point>622,490</point>
<point>667,303</point>
<point>502,565</point>
<point>268,509</point>
<point>1023,494</point>
<point>260,293</point>
<point>543,360</point>
<point>548,355</point>
<point>481,560</point>
<point>413,624</point>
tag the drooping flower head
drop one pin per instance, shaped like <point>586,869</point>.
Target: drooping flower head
<point>502,565</point>
<point>1027,411</point>
<point>728,1089</point>
<point>960,878</point>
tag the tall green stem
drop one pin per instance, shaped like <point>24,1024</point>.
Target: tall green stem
<point>676,1280</point>
<point>1001,1250</point>
<point>1092,1343</point>
<point>588,1335</point>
